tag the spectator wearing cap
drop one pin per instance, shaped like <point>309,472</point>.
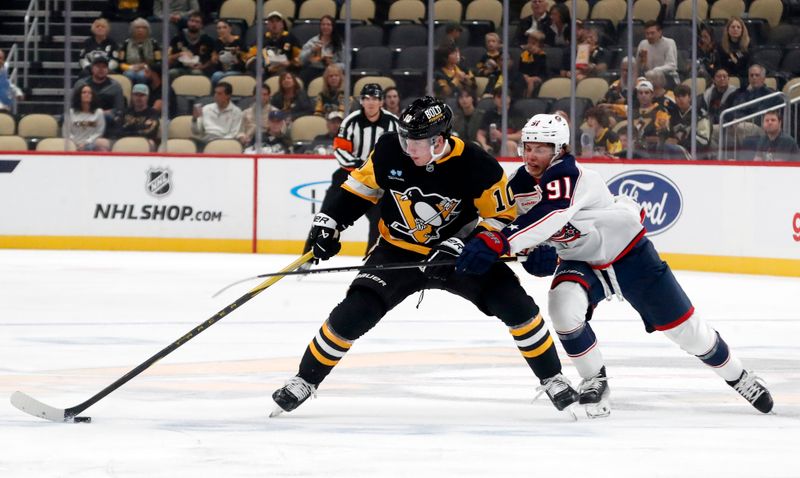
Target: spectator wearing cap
<point>139,53</point>
<point>331,97</point>
<point>247,133</point>
<point>281,49</point>
<point>357,136</point>
<point>275,140</point>
<point>98,43</point>
<point>218,120</point>
<point>9,92</point>
<point>107,90</point>
<point>321,50</point>
<point>489,134</point>
<point>391,101</point>
<point>657,52</point>
<point>290,97</point>
<point>179,10</point>
<point>651,120</point>
<point>85,123</point>
<point>323,143</point>
<point>191,51</point>
<point>231,52</point>
<point>449,78</point>
<point>775,145</point>
<point>140,119</point>
<point>538,21</point>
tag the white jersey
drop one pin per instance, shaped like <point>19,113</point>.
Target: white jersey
<point>572,209</point>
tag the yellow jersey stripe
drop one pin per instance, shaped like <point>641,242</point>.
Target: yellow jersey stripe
<point>527,328</point>
<point>321,358</point>
<point>540,349</point>
<point>333,338</point>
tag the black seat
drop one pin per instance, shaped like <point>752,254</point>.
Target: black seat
<point>471,55</point>
<point>769,56</point>
<point>412,34</point>
<point>373,60</point>
<point>581,105</point>
<point>791,61</point>
<point>527,107</point>
<point>680,32</point>
<point>366,35</point>
<point>412,60</point>
<point>440,30</point>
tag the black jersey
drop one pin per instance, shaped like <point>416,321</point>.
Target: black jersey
<point>421,206</point>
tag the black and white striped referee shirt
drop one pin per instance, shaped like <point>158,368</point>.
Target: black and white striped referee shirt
<point>357,136</point>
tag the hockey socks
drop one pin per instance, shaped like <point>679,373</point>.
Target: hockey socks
<point>322,354</point>
<point>581,346</point>
<point>536,345</point>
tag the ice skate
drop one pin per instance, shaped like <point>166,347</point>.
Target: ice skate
<point>559,390</point>
<point>292,395</point>
<point>752,388</point>
<point>595,395</point>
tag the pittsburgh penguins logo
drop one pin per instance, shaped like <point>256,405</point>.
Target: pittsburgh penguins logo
<point>423,214</point>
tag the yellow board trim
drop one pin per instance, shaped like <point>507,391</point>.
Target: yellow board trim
<point>333,338</point>
<point>527,328</point>
<point>319,356</point>
<point>692,262</point>
<point>540,349</point>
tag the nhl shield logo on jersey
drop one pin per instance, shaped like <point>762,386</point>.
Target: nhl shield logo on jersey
<point>159,182</point>
<point>423,214</point>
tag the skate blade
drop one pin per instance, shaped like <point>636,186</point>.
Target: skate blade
<point>570,411</point>
<point>277,411</point>
<point>598,410</point>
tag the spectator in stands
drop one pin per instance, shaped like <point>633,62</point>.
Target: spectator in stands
<point>616,98</point>
<point>218,120</point>
<point>533,63</point>
<point>775,145</point>
<point>657,52</point>
<point>191,51</point>
<point>558,31</point>
<point>154,99</point>
<point>605,141</point>
<point>98,43</point>
<point>9,92</point>
<point>231,52</point>
<point>467,117</point>
<point>108,91</point>
<point>680,121</point>
<point>661,94</point>
<point>452,34</point>
<point>128,9</point>
<point>734,48</point>
<point>490,64</point>
<point>139,52</point>
<point>596,56</point>
<point>707,52</point>
<point>323,143</point>
<point>179,10</point>
<point>449,78</point>
<point>718,97</point>
<point>281,50</point>
<point>85,124</point>
<point>275,140</point>
<point>290,97</point>
<point>756,88</point>
<point>247,133</point>
<point>539,21</point>
<point>331,97</point>
<point>650,120</point>
<point>391,101</point>
<point>140,119</point>
<point>489,134</point>
<point>321,50</point>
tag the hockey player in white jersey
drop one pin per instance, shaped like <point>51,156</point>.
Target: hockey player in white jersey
<point>603,252</point>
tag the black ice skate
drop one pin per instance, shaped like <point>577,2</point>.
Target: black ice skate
<point>292,395</point>
<point>559,390</point>
<point>595,394</point>
<point>752,388</point>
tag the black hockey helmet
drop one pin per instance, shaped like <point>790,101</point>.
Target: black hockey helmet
<point>372,89</point>
<point>426,117</point>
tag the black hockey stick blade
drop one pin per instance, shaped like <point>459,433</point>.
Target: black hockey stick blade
<point>34,407</point>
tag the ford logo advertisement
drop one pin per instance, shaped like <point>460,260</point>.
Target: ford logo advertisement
<point>661,199</point>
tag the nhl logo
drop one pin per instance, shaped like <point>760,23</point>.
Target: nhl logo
<point>159,182</point>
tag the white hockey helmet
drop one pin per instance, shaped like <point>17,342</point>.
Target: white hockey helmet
<point>543,128</point>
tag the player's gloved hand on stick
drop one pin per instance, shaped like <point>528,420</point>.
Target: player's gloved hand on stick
<point>542,261</point>
<point>444,251</point>
<point>324,237</point>
<point>481,252</point>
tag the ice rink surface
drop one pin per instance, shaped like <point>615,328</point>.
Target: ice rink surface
<point>435,391</point>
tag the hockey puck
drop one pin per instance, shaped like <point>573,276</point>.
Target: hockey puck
<point>83,419</point>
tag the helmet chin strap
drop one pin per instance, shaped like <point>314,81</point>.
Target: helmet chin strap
<point>434,155</point>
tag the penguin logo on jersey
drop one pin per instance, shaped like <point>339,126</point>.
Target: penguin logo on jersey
<point>423,214</point>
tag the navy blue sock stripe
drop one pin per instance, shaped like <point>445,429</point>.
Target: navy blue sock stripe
<point>578,342</point>
<point>718,355</point>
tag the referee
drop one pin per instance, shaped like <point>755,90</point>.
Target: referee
<point>357,136</point>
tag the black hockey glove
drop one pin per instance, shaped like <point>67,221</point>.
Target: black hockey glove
<point>444,251</point>
<point>542,261</point>
<point>324,237</point>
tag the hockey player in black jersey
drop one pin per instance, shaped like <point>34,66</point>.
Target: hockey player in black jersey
<point>432,189</point>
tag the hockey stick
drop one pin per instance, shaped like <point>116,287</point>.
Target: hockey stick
<point>374,268</point>
<point>34,407</point>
